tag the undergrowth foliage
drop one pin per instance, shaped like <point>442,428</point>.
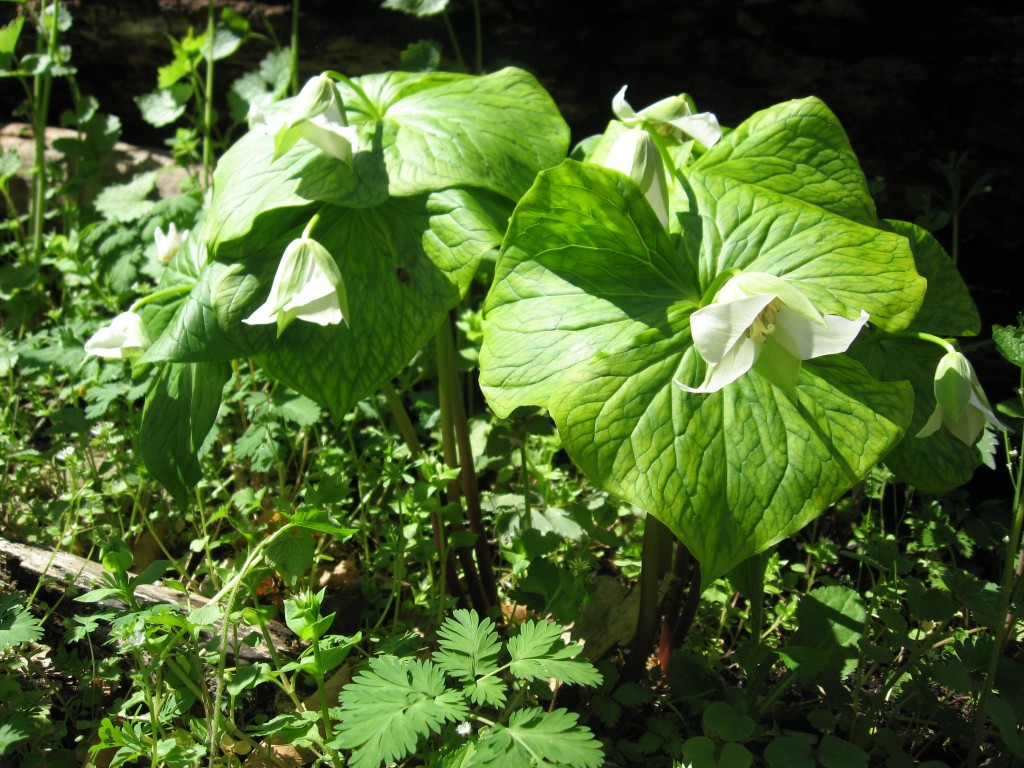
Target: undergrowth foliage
<point>406,433</point>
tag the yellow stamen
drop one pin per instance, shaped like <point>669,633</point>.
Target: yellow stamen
<point>764,324</point>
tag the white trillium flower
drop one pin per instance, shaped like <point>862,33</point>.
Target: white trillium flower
<point>635,154</point>
<point>316,115</point>
<point>675,111</point>
<point>168,245</point>
<point>765,321</point>
<point>307,286</point>
<point>125,337</point>
<point>960,402</point>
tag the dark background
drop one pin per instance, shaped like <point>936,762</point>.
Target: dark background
<point>909,81</point>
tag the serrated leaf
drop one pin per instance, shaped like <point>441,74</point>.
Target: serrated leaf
<point>831,622</point>
<point>1010,341</point>
<point>390,707</point>
<point>319,520</point>
<point>469,646</point>
<point>291,553</point>
<point>421,56</point>
<point>534,737</point>
<point>164,106</point>
<point>489,691</point>
<point>9,736</point>
<point>127,202</point>
<point>539,653</point>
<point>17,624</point>
<point>297,409</point>
<point>258,445</point>
<point>263,86</point>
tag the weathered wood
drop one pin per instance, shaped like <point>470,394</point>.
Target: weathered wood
<point>25,566</point>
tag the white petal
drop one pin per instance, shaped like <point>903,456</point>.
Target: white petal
<point>333,139</point>
<point>322,311</point>
<point>719,326</point>
<point>635,155</point>
<point>126,336</point>
<point>806,339</point>
<point>703,127</point>
<point>934,422</point>
<point>737,361</point>
<point>621,108</point>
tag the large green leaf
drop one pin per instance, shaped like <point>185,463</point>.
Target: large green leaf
<point>589,317</point>
<point>947,309</point>
<point>797,148</point>
<point>842,266</point>
<point>406,264</point>
<point>437,129</point>
<point>418,132</point>
<point>181,408</point>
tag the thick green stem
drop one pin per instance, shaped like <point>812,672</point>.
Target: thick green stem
<point>325,708</point>
<point>41,87</point>
<point>208,105</point>
<point>656,561</point>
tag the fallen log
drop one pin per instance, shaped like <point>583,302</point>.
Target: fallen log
<point>25,567</point>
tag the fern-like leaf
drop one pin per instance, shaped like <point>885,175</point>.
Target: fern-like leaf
<point>534,737</point>
<point>539,653</point>
<point>469,649</point>
<point>17,624</point>
<point>390,707</point>
<point>469,646</point>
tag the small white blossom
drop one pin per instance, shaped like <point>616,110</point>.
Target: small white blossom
<point>960,403</point>
<point>124,337</point>
<point>167,245</point>
<point>307,286</point>
<point>65,453</point>
<point>675,112</point>
<point>315,115</point>
<point>635,154</point>
<point>464,729</point>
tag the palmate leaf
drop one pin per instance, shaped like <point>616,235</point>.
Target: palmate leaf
<point>534,737</point>
<point>589,317</point>
<point>469,646</point>
<point>390,707</point>
<point>469,649</point>
<point>539,653</point>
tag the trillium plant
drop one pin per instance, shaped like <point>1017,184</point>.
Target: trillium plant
<point>722,328</point>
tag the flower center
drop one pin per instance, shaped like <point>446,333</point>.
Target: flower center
<point>764,325</point>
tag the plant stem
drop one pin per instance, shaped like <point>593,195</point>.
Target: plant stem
<point>655,562</point>
<point>41,87</point>
<point>294,66</point>
<point>1013,545</point>
<point>447,384</point>
<point>405,426</point>
<point>208,104</point>
<point>325,708</point>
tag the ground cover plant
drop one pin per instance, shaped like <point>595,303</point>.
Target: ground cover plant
<point>409,433</point>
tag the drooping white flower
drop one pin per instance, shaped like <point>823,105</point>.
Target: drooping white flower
<point>167,245</point>
<point>124,337</point>
<point>316,115</point>
<point>635,154</point>
<point>960,402</point>
<point>675,111</point>
<point>307,286</point>
<point>762,321</point>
